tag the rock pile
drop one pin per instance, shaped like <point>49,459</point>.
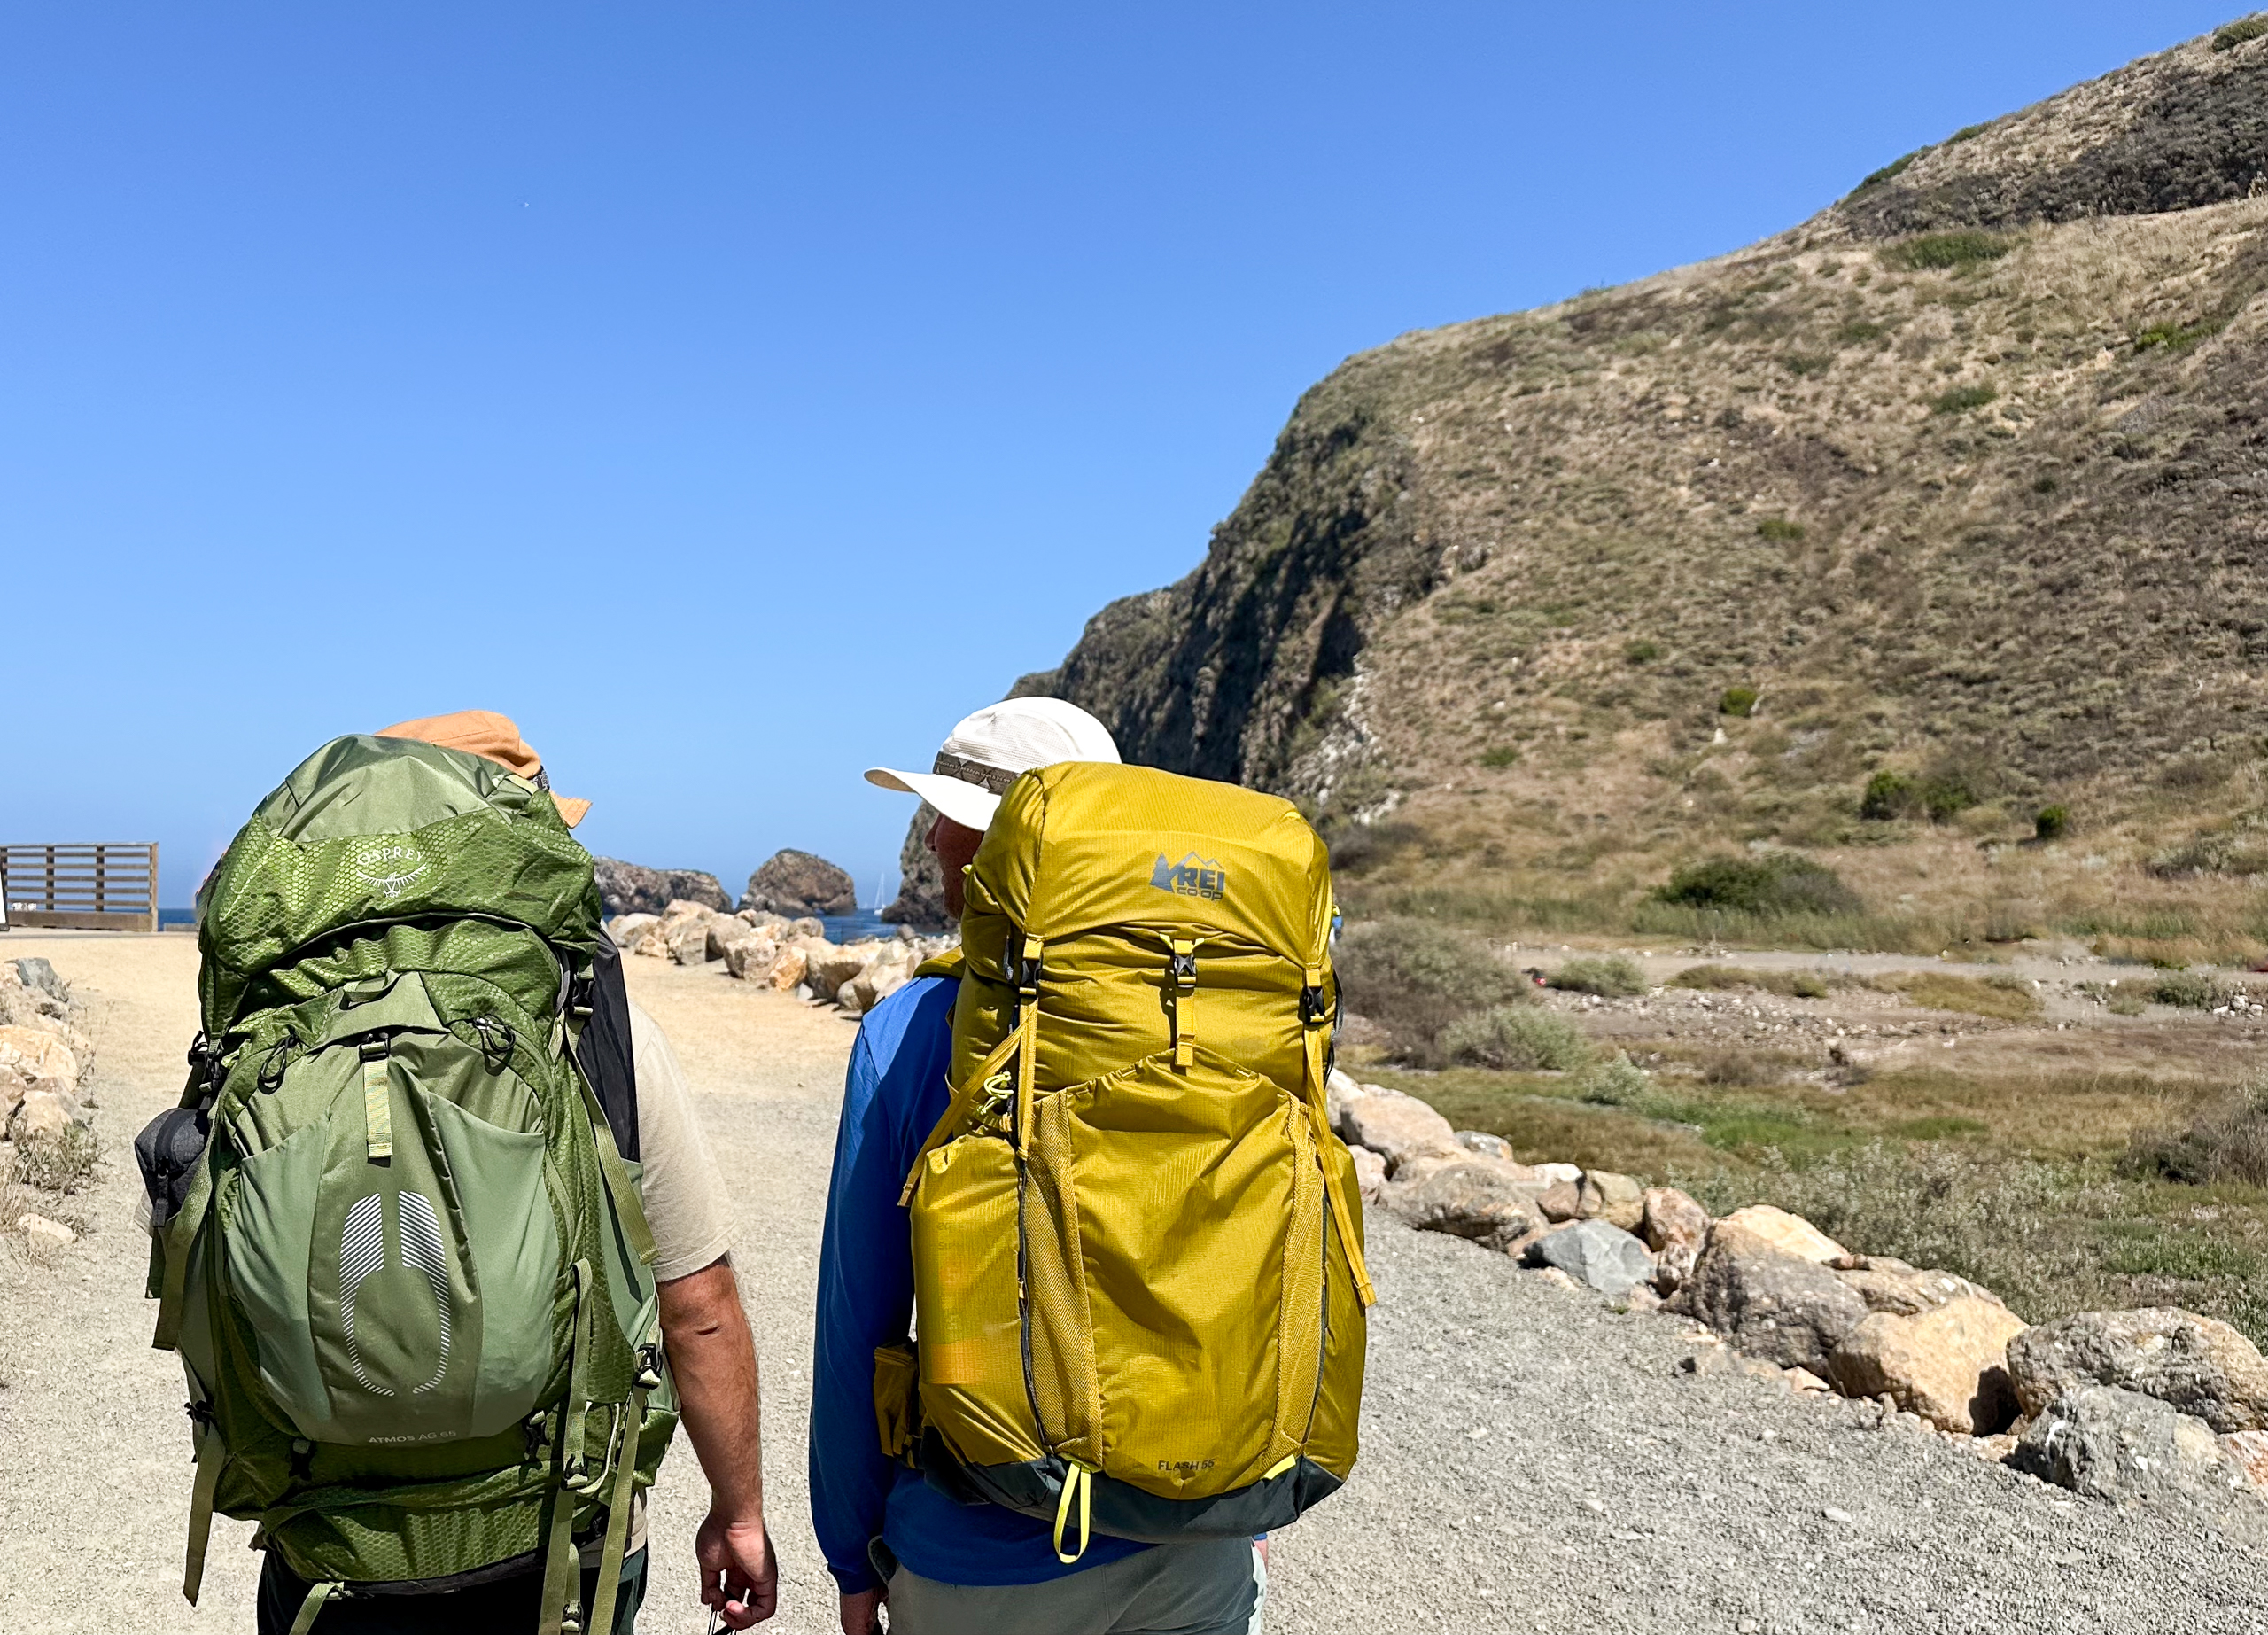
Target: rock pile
<point>45,1058</point>
<point>793,956</point>
<point>2157,1406</point>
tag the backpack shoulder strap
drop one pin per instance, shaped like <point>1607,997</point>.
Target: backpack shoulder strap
<point>604,1053</point>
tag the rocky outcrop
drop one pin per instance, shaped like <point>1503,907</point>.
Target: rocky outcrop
<point>1779,1307</point>
<point>632,888</point>
<point>800,882</point>
<point>2193,1364</point>
<point>920,900</point>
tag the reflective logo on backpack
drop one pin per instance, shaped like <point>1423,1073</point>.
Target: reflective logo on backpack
<point>1193,876</point>
<point>362,1255</point>
<point>392,868</point>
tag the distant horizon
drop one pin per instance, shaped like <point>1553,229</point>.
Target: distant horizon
<point>377,365</point>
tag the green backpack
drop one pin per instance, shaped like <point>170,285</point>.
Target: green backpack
<point>399,1250</point>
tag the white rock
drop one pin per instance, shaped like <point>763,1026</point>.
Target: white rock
<point>45,1233</point>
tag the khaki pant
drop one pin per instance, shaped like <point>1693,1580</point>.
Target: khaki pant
<point>1214,1588</point>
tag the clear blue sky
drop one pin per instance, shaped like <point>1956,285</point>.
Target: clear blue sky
<point>737,394</point>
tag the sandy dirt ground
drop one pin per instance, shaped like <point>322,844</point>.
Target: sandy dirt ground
<point>1531,1460</point>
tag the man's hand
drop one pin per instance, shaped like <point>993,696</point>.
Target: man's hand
<point>738,1575</point>
<point>862,1614</point>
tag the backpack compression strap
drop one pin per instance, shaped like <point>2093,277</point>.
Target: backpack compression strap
<point>1319,1041</point>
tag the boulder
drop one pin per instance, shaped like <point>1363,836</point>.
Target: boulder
<point>680,909</point>
<point>36,1052</point>
<point>808,926</point>
<point>788,970</point>
<point>1370,1173</point>
<point>1397,1126</point>
<point>626,928</point>
<point>1893,1286</point>
<point>1774,1305</point>
<point>1618,1200</point>
<point>34,972</point>
<point>800,882</point>
<point>14,1088</point>
<point>827,967</point>
<point>2108,1443</point>
<point>631,888</point>
<point>1471,1198</point>
<point>752,957</point>
<point>42,1115</point>
<point>1486,1145</point>
<point>1562,1200</point>
<point>45,1234</point>
<point>1946,1364</point>
<point>883,976</point>
<point>773,925</point>
<point>688,939</point>
<point>1674,1227</point>
<point>1791,1235</point>
<point>2197,1365</point>
<point>1596,1253</point>
<point>2247,1450</point>
<point>1550,1173</point>
<point>1339,1089</point>
<point>726,930</point>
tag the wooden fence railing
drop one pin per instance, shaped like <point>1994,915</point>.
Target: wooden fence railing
<point>80,888</point>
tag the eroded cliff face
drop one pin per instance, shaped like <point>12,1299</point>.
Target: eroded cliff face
<point>1991,493</point>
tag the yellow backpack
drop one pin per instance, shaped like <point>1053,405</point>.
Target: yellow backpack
<point>1138,1260</point>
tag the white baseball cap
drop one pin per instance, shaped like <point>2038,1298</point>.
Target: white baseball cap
<point>987,752</point>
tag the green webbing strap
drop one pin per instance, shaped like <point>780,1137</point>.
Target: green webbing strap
<point>617,1518</point>
<point>627,1205</point>
<point>377,1103</point>
<point>200,1511</point>
<point>180,1240</point>
<point>562,1571</point>
<point>574,1422</point>
<point>318,1596</point>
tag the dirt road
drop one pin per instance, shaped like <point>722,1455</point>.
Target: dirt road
<point>1531,1460</point>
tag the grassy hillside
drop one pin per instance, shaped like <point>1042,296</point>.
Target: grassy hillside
<point>1954,491</point>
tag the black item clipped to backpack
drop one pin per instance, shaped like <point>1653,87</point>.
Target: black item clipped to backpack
<point>168,1150</point>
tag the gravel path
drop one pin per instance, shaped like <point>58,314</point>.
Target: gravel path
<point>1531,1460</point>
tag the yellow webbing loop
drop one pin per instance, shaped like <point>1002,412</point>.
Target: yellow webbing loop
<point>377,1104</point>
<point>1183,970</point>
<point>1081,1480</point>
<point>618,1517</point>
<point>200,1510</point>
<point>1279,1466</point>
<point>1318,1107</point>
<point>318,1596</point>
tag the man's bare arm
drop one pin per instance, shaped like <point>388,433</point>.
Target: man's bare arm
<point>712,1359</point>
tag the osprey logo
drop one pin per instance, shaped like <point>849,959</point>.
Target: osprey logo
<point>1193,876</point>
<point>362,1254</point>
<point>390,869</point>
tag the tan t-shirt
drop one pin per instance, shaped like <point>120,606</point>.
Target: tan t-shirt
<point>683,1195</point>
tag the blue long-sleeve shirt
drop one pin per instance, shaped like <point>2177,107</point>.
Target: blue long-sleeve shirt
<point>893,1096</point>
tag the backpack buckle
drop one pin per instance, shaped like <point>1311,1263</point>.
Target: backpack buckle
<point>1313,1006</point>
<point>1026,969</point>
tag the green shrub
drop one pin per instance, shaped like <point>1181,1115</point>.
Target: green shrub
<point>1859,330</point>
<point>1888,795</point>
<point>1612,976</point>
<point>2188,990</point>
<point>2178,336</point>
<point>1967,133</point>
<point>1803,365</point>
<point>1897,166</point>
<point>1640,652</point>
<point>1960,400</point>
<point>1737,701</point>
<point>1614,1081</point>
<point>1414,979</point>
<point>1779,530</point>
<point>1779,883</point>
<point>2050,823</point>
<point>2045,483</point>
<point>1516,1039</point>
<point>2226,1141</point>
<point>2228,36</point>
<point>1790,984</point>
<point>1938,796</point>
<point>1941,251</point>
<point>1503,755</point>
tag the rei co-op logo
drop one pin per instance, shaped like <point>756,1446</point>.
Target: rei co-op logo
<point>392,868</point>
<point>1193,876</point>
